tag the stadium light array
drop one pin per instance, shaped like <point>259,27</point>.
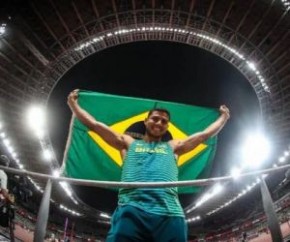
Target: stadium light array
<point>36,118</point>
<point>8,144</point>
<point>256,147</point>
<point>205,37</point>
<point>281,159</point>
<point>216,189</point>
<point>71,211</point>
<point>193,219</point>
<point>10,149</point>
<point>247,189</point>
<point>104,215</point>
<point>66,187</point>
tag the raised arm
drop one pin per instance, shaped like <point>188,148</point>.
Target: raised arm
<point>118,141</point>
<point>183,146</point>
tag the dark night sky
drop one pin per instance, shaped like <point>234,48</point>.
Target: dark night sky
<point>166,71</point>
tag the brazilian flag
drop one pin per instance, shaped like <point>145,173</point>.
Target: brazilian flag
<point>88,156</point>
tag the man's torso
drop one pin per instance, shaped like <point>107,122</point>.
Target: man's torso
<point>151,162</point>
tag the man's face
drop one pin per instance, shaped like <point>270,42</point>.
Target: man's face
<point>157,124</point>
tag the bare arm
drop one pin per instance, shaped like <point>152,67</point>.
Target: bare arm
<point>181,147</point>
<point>118,141</point>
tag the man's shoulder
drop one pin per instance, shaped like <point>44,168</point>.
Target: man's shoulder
<point>136,141</point>
<point>127,139</point>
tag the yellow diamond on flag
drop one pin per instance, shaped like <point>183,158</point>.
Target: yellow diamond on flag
<point>122,126</point>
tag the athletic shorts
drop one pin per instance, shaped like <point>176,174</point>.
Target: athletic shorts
<point>131,224</point>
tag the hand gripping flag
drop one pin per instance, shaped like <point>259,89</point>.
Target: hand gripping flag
<point>88,156</point>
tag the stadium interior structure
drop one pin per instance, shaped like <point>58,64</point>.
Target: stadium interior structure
<point>40,41</point>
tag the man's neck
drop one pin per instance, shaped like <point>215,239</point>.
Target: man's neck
<point>149,138</point>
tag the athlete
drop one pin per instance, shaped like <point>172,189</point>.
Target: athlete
<point>148,214</point>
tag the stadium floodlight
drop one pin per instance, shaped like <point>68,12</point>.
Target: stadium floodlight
<point>104,215</point>
<point>235,173</point>
<point>40,133</point>
<point>2,28</point>
<point>10,148</point>
<point>255,150</point>
<point>217,189</point>
<point>251,65</point>
<point>55,173</point>
<point>6,142</point>
<point>14,155</point>
<point>36,118</point>
<point>47,154</point>
<point>282,159</point>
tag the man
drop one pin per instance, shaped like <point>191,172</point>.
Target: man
<point>4,161</point>
<point>148,214</point>
<point>6,199</point>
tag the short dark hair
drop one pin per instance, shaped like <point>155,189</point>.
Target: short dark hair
<point>162,110</point>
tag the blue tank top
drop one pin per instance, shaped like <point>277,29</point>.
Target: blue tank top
<point>151,162</point>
